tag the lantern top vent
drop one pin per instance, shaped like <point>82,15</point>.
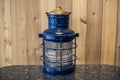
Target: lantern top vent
<point>59,11</point>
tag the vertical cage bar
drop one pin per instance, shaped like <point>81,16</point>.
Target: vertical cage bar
<point>75,53</point>
<point>60,54</point>
<point>57,52</point>
<point>43,51</point>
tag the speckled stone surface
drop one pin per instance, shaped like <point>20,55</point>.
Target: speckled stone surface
<point>82,72</point>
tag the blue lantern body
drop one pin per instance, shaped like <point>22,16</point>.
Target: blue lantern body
<point>59,45</point>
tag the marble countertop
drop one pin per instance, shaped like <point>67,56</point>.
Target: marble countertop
<point>82,72</point>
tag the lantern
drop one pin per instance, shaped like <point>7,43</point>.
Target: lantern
<point>58,44</point>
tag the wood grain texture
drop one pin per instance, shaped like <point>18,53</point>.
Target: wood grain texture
<point>14,32</point>
<point>1,30</point>
<point>118,37</point>
<point>22,36</point>
<point>24,29</point>
<point>31,34</point>
<point>109,31</point>
<point>20,30</point>
<point>2,49</point>
<point>97,22</point>
<point>79,18</point>
<point>93,34</point>
<point>7,34</point>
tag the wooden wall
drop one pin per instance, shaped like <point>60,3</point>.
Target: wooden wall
<point>97,22</point>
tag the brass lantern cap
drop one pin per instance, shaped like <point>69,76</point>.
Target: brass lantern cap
<point>59,11</point>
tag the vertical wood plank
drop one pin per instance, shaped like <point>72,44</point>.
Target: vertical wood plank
<point>30,33</point>
<point>14,32</point>
<point>20,33</point>
<point>93,35</point>
<point>109,31</point>
<point>79,18</point>
<point>66,5</point>
<point>118,37</point>
<point>1,30</point>
<point>7,34</point>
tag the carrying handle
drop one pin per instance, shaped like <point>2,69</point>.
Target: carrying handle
<point>77,34</point>
<point>40,35</point>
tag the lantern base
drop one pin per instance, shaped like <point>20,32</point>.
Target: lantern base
<point>59,72</point>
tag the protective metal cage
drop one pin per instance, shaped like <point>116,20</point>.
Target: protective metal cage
<point>59,56</point>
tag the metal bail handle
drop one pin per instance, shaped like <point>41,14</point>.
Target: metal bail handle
<point>77,34</point>
<point>40,35</point>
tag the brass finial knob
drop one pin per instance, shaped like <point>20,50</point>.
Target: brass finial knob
<point>59,8</point>
<point>59,11</point>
